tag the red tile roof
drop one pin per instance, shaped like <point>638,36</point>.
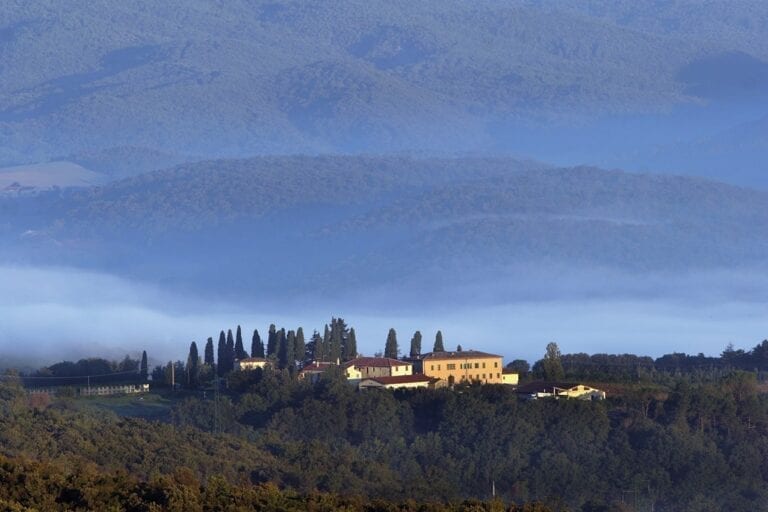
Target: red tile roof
<point>401,379</point>
<point>460,354</point>
<point>375,362</point>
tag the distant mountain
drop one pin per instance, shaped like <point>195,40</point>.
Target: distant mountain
<point>352,223</point>
<point>241,78</point>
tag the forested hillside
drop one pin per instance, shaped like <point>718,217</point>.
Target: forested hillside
<point>695,444</point>
<point>200,79</point>
<point>364,221</point>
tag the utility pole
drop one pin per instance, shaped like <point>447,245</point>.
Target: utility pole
<point>173,376</point>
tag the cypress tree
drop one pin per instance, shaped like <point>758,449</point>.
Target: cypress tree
<point>240,352</point>
<point>143,367</point>
<point>438,343</point>
<point>300,348</point>
<point>257,346</point>
<point>315,348</point>
<point>272,341</point>
<point>279,348</point>
<point>390,349</point>
<point>221,355</point>
<point>351,346</point>
<point>209,352</point>
<point>327,344</point>
<point>287,355</point>
<point>193,366</point>
<point>334,352</point>
<point>416,344</point>
<point>230,351</point>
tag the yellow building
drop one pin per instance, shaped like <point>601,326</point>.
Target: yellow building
<point>463,366</point>
<point>544,389</point>
<point>251,363</point>
<point>399,382</point>
<point>365,367</point>
<point>510,377</point>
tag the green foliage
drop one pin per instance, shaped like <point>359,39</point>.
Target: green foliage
<point>415,344</point>
<point>390,348</point>
<point>257,346</point>
<point>438,347</point>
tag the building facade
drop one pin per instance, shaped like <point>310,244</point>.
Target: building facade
<point>463,366</point>
<point>251,363</point>
<point>367,367</point>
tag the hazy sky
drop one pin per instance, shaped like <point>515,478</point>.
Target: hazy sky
<point>55,313</point>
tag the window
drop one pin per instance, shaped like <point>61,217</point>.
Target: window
<point>498,375</point>
<point>432,367</point>
<point>477,365</point>
<point>450,366</point>
<point>483,365</point>
<point>483,375</point>
<point>496,364</point>
<point>438,367</point>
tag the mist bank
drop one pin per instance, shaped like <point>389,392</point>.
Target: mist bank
<point>51,314</point>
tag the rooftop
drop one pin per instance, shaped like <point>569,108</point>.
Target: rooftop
<point>375,362</point>
<point>459,354</point>
<point>401,379</point>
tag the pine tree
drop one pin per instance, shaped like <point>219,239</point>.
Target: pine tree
<point>209,353</point>
<point>351,345</point>
<point>438,343</point>
<point>416,344</point>
<point>257,346</point>
<point>230,351</point>
<point>143,367</point>
<point>552,363</point>
<point>221,355</point>
<point>272,342</point>
<point>240,352</point>
<point>193,366</point>
<point>390,349</point>
<point>300,348</point>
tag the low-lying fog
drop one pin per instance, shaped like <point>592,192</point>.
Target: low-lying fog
<point>50,314</point>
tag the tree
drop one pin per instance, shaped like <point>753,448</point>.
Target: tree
<point>230,351</point>
<point>327,343</point>
<point>240,352</point>
<point>143,368</point>
<point>315,348</point>
<point>193,366</point>
<point>208,358</point>
<point>280,353</point>
<point>416,344</point>
<point>221,355</point>
<point>351,345</point>
<point>552,363</point>
<point>257,346</point>
<point>390,349</point>
<point>299,347</point>
<point>272,341</point>
<point>438,343</point>
<point>520,366</point>
<point>286,357</point>
<point>458,348</point>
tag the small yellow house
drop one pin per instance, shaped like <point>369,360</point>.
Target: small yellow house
<point>510,377</point>
<point>463,366</point>
<point>398,382</point>
<point>365,367</point>
<point>544,389</point>
<point>251,363</point>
